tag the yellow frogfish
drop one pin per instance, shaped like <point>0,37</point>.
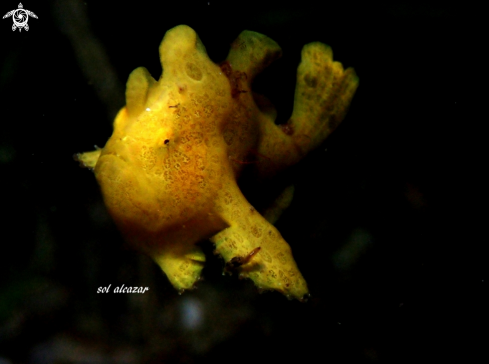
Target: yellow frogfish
<point>169,172</point>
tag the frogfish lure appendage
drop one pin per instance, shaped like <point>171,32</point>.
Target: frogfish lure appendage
<point>168,174</point>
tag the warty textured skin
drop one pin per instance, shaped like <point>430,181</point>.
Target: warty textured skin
<point>169,172</point>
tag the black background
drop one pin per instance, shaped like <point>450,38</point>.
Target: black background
<point>387,223</point>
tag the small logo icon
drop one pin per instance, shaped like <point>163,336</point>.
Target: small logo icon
<point>20,17</point>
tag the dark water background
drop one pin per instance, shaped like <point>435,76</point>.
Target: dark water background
<point>388,223</point>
